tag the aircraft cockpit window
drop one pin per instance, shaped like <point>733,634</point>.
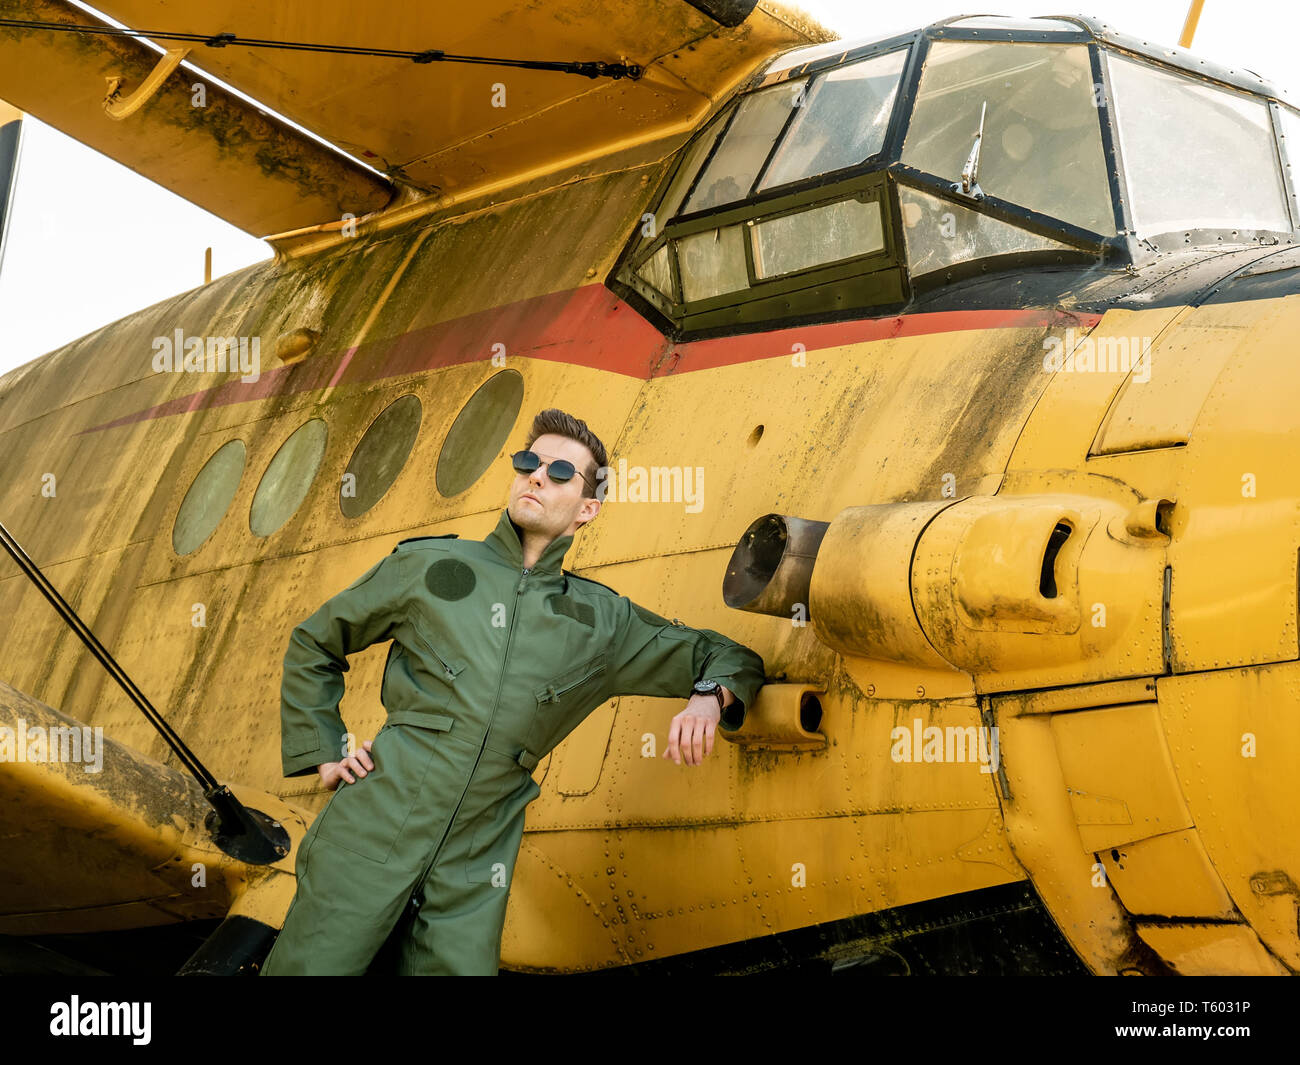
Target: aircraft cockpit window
<point>766,166</point>
<point>695,157</point>
<point>831,233</point>
<point>658,273</point>
<point>1196,156</point>
<point>1040,146</point>
<point>832,121</point>
<point>841,122</point>
<point>856,176</point>
<point>939,234</point>
<point>712,262</point>
<point>730,174</point>
<point>810,53</point>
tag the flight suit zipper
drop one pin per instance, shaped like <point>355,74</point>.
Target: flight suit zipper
<point>447,670</point>
<point>554,695</point>
<point>510,630</point>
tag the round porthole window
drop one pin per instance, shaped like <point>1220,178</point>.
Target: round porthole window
<point>479,431</point>
<point>380,456</point>
<point>209,497</point>
<point>288,477</point>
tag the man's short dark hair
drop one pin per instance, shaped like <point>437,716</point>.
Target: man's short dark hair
<point>555,422</point>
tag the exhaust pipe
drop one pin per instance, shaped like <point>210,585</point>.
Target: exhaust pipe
<point>770,571</point>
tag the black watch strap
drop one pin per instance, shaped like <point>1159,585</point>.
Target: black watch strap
<point>715,690</point>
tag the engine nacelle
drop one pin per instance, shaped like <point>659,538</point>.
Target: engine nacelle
<point>990,585</point>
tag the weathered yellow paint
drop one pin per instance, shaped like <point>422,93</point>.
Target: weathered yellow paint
<point>1044,836</point>
<point>1169,876</point>
<point>1234,557</point>
<point>1235,740</point>
<point>461,133</point>
<point>121,846</point>
<point>1160,399</point>
<point>861,596</point>
<point>626,857</point>
<point>1211,950</point>
<point>1141,825</point>
<point>649,867</point>
<point>225,155</point>
<point>480,125</point>
<point>776,720</point>
<point>976,590</point>
<point>1073,404</point>
<point>1130,793</point>
<point>584,752</point>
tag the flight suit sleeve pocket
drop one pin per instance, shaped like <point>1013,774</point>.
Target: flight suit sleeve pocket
<point>563,702</point>
<point>300,741</point>
<point>589,674</point>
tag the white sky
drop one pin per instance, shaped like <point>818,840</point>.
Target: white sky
<point>90,241</point>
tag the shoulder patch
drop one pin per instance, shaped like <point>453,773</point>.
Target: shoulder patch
<point>582,612</point>
<point>419,539</point>
<point>588,580</point>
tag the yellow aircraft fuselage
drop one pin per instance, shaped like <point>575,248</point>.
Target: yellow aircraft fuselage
<point>1139,669</point>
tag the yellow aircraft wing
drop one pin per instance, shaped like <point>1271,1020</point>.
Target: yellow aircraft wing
<point>133,828</point>
<point>437,127</point>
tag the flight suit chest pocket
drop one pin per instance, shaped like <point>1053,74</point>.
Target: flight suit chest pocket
<point>439,663</point>
<point>367,817</point>
<point>575,692</point>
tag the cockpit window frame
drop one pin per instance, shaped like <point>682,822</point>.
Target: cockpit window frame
<point>729,312</point>
<point>888,149</point>
<point>1289,162</point>
<point>1141,247</point>
<point>1004,210</point>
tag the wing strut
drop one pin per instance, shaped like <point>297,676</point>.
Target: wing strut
<point>248,835</point>
<point>587,68</point>
<point>11,139</point>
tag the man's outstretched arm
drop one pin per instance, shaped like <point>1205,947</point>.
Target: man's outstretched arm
<point>364,613</point>
<point>654,656</point>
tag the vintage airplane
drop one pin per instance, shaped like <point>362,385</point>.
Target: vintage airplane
<point>979,334</point>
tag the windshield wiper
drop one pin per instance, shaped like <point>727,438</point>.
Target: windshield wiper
<point>969,186</point>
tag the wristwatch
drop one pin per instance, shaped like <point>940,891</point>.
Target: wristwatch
<point>709,687</point>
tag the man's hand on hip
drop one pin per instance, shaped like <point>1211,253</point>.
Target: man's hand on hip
<point>333,772</point>
<point>691,732</point>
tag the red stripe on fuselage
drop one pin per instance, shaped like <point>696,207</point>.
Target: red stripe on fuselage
<point>589,326</point>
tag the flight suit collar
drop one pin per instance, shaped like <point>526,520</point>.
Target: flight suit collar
<point>506,540</point>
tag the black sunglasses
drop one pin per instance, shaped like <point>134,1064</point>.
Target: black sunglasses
<point>559,470</point>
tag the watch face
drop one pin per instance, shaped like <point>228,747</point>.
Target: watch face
<point>706,687</point>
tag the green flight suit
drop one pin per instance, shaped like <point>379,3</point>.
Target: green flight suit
<point>491,665</point>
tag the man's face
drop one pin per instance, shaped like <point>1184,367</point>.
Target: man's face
<point>540,505</point>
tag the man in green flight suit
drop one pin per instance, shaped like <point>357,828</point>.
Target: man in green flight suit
<point>497,654</point>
